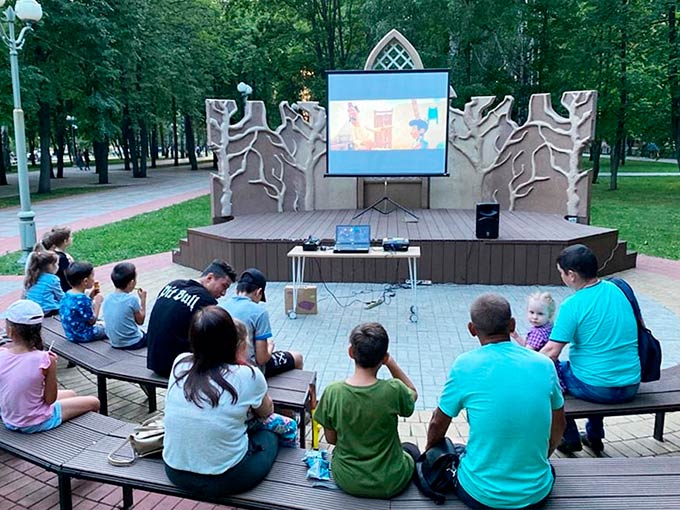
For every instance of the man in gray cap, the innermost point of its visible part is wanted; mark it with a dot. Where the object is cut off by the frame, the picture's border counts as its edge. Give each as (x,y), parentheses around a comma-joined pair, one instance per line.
(245,307)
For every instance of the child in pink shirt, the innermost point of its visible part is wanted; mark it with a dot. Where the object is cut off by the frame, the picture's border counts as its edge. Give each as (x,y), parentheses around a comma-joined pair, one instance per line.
(29,399)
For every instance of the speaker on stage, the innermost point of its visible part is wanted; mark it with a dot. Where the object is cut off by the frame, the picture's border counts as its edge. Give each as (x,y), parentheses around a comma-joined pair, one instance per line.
(488,216)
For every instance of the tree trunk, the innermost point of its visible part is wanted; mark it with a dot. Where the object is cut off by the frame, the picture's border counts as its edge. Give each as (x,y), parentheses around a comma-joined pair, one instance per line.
(175,145)
(45,136)
(164,143)
(59,145)
(673,82)
(101,159)
(144,142)
(125,140)
(191,143)
(3,166)
(154,145)
(214,161)
(618,152)
(31,147)
(595,151)
(5,147)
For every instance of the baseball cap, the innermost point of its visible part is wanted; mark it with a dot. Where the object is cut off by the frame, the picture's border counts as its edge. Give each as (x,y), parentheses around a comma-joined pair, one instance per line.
(24,311)
(256,277)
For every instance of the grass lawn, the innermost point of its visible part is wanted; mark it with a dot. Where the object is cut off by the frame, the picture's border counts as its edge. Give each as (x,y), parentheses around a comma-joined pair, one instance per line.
(146,234)
(55,193)
(632,165)
(645,210)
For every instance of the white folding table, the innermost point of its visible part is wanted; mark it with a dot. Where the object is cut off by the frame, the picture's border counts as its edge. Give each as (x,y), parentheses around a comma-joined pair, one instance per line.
(298,257)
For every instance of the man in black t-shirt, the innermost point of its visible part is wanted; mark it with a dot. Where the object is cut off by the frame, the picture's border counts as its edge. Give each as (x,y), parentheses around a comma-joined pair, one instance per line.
(168,332)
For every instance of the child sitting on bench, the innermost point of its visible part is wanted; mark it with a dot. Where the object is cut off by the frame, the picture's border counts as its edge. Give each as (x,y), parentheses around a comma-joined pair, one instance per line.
(29,398)
(359,416)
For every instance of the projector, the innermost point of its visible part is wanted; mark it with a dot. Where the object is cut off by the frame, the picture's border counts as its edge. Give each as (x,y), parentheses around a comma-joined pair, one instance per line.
(395,244)
(311,244)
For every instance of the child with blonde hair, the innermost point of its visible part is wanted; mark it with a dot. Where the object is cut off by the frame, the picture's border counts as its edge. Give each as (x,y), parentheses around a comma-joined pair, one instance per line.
(29,398)
(41,284)
(540,314)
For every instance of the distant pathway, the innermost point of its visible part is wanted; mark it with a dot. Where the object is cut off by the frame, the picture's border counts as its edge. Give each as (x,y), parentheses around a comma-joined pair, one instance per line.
(163,187)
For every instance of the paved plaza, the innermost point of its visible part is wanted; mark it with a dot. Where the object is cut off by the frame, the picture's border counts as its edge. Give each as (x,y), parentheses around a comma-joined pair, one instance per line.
(424,349)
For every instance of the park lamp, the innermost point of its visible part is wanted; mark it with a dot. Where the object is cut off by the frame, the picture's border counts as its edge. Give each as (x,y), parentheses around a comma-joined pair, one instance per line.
(243,88)
(28,11)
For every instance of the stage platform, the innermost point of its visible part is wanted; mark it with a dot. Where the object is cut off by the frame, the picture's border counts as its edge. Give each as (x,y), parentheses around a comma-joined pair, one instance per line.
(524,253)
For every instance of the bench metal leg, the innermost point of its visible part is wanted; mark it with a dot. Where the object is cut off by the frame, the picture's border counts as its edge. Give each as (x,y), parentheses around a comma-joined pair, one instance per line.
(65,499)
(303,428)
(151,394)
(659,422)
(127,498)
(103,397)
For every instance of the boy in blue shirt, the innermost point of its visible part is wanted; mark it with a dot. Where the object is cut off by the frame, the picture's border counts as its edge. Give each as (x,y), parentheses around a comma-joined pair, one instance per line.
(79,311)
(124,311)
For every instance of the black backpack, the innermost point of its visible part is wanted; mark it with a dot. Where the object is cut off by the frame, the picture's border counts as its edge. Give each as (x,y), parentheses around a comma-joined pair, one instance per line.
(436,470)
(649,348)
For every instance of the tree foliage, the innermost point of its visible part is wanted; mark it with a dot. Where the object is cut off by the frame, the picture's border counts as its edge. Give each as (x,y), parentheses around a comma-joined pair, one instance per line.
(128,71)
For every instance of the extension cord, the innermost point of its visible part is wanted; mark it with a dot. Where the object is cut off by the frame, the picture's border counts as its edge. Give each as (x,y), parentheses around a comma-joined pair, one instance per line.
(373,304)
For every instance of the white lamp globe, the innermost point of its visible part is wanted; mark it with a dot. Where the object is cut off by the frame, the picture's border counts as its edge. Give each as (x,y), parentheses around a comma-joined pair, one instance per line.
(28,11)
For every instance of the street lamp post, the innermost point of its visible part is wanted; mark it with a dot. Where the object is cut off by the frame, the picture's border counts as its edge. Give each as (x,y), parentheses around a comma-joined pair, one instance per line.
(29,11)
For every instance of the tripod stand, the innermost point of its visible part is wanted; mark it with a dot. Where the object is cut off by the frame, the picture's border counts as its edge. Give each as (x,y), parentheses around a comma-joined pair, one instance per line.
(375,206)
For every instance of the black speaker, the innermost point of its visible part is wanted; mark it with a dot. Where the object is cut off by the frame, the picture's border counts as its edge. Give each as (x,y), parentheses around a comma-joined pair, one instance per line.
(488,216)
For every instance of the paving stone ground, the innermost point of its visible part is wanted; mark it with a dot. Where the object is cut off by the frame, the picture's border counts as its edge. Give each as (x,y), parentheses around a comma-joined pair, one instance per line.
(425,350)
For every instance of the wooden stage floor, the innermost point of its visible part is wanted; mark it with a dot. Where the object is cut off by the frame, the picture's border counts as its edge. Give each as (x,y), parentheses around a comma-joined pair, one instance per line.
(524,253)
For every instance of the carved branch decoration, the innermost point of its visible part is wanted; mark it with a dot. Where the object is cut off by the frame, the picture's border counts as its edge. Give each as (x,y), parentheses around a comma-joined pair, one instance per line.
(522,189)
(297,145)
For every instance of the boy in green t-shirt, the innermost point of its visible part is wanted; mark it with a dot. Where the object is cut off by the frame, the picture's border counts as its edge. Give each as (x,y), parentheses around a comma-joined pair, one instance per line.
(360,415)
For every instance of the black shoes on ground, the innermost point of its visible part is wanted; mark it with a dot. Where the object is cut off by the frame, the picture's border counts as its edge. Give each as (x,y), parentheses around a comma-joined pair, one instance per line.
(595,445)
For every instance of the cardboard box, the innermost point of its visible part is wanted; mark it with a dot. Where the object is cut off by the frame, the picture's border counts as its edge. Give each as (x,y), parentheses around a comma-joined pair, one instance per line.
(306,299)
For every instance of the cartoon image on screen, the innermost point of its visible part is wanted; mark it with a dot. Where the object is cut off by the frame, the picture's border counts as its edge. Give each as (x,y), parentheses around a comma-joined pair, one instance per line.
(387,123)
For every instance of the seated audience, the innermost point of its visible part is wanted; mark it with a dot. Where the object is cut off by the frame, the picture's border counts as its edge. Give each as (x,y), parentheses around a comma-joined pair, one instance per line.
(207,448)
(245,306)
(29,398)
(41,284)
(123,311)
(599,324)
(168,331)
(515,409)
(359,416)
(78,310)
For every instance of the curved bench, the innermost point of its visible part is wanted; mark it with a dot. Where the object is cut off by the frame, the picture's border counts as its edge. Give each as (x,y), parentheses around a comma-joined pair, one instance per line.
(79,448)
(294,390)
(657,398)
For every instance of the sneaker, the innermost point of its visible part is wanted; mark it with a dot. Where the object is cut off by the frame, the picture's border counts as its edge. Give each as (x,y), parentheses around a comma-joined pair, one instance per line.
(594,444)
(569,446)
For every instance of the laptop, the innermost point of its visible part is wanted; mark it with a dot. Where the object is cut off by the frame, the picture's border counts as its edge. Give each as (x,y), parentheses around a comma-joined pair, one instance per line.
(352,238)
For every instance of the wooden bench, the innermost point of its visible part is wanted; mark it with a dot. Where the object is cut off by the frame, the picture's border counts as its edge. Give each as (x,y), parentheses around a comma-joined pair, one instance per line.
(657,398)
(294,390)
(79,448)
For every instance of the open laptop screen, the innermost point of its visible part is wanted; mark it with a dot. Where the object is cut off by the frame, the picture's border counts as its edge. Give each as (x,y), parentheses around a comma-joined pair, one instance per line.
(353,235)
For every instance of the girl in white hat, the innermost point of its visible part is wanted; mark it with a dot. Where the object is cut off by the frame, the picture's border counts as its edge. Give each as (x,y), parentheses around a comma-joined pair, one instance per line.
(29,399)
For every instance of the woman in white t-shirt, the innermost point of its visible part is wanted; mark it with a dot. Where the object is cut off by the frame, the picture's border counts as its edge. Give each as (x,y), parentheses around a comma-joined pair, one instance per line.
(207,447)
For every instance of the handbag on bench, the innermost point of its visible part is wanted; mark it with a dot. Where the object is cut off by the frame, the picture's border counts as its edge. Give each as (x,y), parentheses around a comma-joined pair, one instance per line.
(146,439)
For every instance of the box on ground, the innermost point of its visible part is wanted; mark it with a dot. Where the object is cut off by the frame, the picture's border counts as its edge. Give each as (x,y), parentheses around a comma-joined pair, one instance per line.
(306,299)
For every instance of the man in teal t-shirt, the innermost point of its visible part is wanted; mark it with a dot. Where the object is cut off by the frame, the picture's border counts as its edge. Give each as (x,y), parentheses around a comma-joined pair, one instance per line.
(360,415)
(515,410)
(598,323)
